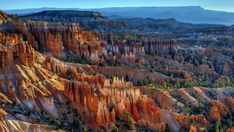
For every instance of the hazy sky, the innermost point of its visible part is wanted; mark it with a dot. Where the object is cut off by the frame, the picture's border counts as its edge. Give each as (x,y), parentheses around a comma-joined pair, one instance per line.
(224,5)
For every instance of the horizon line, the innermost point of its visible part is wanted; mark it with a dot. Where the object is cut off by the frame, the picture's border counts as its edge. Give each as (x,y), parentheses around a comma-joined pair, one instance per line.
(116,7)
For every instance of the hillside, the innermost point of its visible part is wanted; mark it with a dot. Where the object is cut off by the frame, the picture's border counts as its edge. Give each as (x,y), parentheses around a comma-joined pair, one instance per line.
(57,76)
(166,28)
(4,17)
(68,15)
(51,94)
(189,14)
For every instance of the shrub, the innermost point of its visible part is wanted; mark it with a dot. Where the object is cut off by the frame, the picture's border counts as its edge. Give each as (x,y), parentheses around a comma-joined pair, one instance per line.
(189,84)
(204,81)
(128,119)
(176,85)
(114,128)
(58,124)
(218,126)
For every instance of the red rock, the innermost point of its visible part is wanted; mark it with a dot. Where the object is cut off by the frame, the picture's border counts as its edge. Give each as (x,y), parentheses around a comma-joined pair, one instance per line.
(22,53)
(101,106)
(53,43)
(221,107)
(230,129)
(193,129)
(214,113)
(230,103)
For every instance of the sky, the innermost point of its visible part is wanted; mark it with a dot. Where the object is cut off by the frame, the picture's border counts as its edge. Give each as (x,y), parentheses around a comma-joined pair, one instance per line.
(221,5)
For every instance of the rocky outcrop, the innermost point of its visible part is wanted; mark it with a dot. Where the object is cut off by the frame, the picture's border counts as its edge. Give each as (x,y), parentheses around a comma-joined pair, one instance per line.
(37,88)
(57,38)
(140,46)
(214,113)
(22,27)
(190,101)
(9,123)
(230,103)
(93,98)
(4,17)
(161,47)
(22,53)
(112,102)
(44,84)
(230,129)
(30,93)
(9,38)
(52,42)
(131,49)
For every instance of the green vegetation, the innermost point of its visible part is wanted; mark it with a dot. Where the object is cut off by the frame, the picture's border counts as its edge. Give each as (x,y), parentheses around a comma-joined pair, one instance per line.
(128,119)
(205,130)
(74,58)
(142,82)
(85,129)
(189,84)
(218,126)
(195,109)
(114,128)
(178,79)
(176,85)
(71,78)
(165,85)
(223,83)
(204,80)
(191,122)
(167,128)
(82,60)
(58,124)
(229,121)
(182,129)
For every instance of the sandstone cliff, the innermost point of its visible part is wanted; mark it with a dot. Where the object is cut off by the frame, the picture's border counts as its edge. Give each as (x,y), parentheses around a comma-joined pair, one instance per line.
(4,17)
(41,84)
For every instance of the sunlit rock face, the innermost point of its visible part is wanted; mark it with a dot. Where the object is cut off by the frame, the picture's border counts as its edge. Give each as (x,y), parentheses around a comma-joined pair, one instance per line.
(9,123)
(29,93)
(194,101)
(53,43)
(58,39)
(20,52)
(113,102)
(4,17)
(41,92)
(21,76)
(31,82)
(93,97)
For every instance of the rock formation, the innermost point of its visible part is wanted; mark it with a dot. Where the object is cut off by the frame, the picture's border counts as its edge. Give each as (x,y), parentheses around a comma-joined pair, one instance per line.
(22,53)
(112,102)
(4,17)
(42,83)
(9,123)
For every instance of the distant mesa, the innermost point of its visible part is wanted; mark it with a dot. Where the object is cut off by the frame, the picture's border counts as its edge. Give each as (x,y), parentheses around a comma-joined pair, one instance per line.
(190,14)
(67,15)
